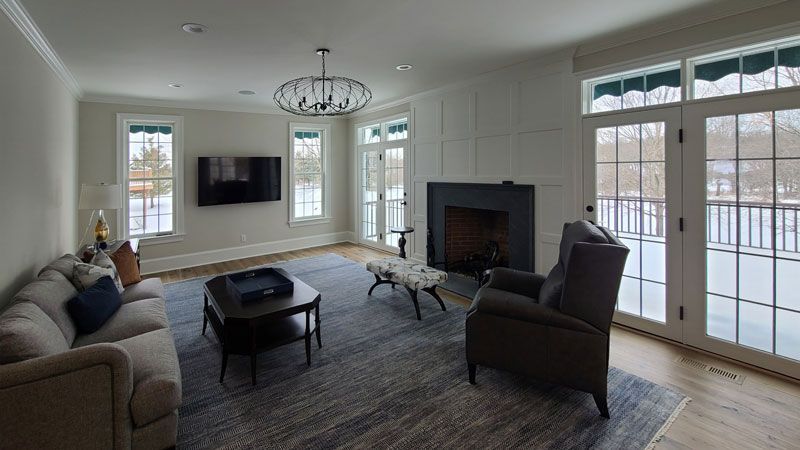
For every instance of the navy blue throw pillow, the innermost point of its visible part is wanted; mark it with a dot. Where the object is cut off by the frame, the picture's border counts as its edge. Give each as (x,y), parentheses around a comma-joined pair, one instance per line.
(94,306)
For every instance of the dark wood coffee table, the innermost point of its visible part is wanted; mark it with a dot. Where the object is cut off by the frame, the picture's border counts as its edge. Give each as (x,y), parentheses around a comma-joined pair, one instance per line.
(252,327)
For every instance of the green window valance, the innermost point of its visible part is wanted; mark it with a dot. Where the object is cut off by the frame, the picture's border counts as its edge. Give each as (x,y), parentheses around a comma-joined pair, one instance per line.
(789,57)
(633,84)
(758,63)
(612,88)
(641,83)
(716,70)
(150,129)
(669,78)
(306,134)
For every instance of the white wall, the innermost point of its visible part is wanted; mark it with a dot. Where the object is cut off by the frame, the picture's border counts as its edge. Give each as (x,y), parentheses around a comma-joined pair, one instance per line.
(516,124)
(213,232)
(38,175)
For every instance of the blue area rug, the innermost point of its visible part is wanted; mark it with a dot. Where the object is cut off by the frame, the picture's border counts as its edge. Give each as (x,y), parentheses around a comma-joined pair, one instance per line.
(386,380)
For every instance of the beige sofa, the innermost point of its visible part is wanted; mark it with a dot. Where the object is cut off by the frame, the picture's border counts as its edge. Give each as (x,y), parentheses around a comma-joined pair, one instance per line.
(119,387)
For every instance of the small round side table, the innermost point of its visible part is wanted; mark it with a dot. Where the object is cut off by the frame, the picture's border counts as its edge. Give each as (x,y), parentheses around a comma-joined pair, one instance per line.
(402,241)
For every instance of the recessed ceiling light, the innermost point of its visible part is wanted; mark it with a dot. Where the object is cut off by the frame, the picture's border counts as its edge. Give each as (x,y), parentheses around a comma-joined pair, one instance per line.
(194,28)
(404,67)
(175,85)
(247,92)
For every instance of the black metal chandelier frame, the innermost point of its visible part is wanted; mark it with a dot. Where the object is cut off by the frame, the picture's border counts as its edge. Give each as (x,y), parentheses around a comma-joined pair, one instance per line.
(322,96)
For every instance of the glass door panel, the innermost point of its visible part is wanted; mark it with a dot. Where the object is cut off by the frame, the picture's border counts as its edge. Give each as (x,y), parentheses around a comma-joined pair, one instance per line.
(369,195)
(742,198)
(394,192)
(632,188)
(752,204)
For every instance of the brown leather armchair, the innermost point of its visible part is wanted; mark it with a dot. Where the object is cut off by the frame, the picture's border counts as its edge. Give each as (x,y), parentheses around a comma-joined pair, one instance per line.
(553,328)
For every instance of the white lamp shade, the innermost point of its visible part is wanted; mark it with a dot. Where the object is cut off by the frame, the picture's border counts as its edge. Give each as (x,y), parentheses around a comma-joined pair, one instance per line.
(100,196)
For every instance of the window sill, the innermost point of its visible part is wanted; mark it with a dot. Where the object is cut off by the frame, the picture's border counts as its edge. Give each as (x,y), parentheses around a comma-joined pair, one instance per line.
(309,222)
(152,240)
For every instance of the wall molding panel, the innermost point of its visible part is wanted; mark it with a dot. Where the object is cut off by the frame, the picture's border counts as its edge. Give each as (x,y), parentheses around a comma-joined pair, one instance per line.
(515,126)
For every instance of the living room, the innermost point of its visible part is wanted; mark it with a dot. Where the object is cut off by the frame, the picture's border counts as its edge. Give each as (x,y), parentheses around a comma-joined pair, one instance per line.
(586,214)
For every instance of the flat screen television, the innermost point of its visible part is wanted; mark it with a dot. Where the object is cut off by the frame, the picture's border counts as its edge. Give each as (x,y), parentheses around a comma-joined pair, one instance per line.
(226,180)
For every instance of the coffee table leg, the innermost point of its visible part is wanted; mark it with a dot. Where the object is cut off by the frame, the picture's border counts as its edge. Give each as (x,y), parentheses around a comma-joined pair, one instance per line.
(316,320)
(253,354)
(205,308)
(308,337)
(224,363)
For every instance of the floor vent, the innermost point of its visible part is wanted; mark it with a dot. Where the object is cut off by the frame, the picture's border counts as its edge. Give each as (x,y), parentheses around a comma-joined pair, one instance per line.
(716,371)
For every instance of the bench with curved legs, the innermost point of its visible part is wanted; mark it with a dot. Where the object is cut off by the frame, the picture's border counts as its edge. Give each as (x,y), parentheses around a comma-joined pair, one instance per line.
(414,277)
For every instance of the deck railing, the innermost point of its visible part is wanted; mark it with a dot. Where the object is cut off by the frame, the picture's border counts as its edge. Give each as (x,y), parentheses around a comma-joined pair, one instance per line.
(754,226)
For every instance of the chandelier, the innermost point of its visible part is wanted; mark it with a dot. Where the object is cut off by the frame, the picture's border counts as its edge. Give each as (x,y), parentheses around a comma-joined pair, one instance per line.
(322,96)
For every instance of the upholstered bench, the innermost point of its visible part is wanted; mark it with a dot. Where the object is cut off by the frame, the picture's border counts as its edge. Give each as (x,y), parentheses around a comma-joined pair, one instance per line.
(414,277)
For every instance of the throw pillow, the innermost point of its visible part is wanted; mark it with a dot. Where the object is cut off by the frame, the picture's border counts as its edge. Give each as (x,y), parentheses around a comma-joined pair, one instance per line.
(104,261)
(94,306)
(85,275)
(125,261)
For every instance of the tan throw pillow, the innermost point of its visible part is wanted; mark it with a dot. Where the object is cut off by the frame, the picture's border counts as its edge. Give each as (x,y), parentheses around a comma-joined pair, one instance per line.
(86,275)
(102,260)
(125,260)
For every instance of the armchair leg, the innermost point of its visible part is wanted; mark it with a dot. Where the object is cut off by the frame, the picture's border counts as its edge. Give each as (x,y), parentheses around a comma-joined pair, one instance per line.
(602,404)
(472,368)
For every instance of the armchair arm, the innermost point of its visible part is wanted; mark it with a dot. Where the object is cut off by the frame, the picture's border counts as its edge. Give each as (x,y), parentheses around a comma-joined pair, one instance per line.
(514,306)
(516,281)
(78,398)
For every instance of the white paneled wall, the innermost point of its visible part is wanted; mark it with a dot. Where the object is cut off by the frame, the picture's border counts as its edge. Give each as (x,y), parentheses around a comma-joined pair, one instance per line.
(516,125)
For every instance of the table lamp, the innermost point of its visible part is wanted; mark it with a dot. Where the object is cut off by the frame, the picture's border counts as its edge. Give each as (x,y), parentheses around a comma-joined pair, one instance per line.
(99,197)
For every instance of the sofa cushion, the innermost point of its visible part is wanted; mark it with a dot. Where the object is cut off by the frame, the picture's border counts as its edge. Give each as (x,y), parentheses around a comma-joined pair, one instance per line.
(131,319)
(86,275)
(580,231)
(102,260)
(93,307)
(63,265)
(125,261)
(156,375)
(51,292)
(27,332)
(148,288)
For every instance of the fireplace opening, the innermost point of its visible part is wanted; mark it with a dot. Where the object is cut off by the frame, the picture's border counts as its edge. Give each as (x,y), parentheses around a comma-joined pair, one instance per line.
(476,240)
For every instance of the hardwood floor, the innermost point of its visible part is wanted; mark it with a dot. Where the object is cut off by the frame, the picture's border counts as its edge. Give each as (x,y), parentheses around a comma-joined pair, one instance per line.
(762,412)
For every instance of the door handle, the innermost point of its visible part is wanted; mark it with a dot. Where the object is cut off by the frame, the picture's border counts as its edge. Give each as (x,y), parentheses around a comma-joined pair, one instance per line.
(589,208)
(404,203)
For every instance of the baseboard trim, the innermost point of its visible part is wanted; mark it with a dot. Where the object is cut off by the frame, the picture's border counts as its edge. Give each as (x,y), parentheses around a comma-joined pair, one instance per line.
(155,265)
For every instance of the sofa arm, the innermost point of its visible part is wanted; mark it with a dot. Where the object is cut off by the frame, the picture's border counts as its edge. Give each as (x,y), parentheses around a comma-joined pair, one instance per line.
(516,281)
(512,306)
(76,399)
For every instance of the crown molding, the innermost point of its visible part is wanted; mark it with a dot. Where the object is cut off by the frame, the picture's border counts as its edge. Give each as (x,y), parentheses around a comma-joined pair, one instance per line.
(20,17)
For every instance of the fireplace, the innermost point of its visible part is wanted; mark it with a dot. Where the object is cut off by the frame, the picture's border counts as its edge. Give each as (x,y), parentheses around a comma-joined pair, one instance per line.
(471,235)
(464,217)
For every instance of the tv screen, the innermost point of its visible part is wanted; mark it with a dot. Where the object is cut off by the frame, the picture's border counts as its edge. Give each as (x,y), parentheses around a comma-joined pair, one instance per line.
(227,180)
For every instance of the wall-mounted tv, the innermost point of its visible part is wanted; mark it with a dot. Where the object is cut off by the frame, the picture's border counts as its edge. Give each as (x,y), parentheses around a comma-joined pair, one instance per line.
(225,180)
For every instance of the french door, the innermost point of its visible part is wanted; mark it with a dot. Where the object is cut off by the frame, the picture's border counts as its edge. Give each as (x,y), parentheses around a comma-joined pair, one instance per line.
(632,185)
(742,208)
(383,198)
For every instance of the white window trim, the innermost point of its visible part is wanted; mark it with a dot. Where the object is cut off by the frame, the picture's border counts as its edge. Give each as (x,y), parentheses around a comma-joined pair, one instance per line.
(123,119)
(325,129)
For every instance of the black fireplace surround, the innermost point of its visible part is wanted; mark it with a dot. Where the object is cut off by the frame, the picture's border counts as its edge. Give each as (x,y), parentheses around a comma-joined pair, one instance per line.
(515,199)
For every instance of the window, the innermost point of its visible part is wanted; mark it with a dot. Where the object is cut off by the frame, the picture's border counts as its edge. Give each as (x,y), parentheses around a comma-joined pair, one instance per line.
(646,87)
(770,66)
(310,186)
(151,173)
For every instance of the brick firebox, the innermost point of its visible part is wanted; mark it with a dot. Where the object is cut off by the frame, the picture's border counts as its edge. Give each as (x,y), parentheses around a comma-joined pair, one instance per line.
(467,231)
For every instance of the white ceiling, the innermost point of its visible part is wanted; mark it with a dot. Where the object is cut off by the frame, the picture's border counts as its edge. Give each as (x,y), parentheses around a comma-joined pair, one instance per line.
(134,49)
